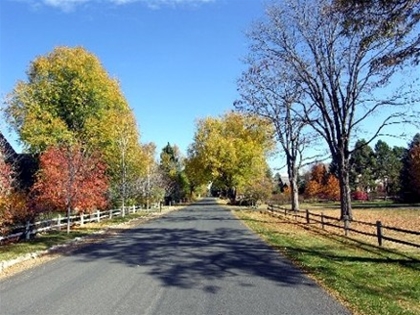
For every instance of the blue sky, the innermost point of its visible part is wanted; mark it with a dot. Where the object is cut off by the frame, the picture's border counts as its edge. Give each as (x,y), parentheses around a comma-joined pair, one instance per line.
(177,60)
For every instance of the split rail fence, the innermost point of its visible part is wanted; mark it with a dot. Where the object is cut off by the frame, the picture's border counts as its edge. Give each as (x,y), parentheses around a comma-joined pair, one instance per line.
(30,229)
(377,230)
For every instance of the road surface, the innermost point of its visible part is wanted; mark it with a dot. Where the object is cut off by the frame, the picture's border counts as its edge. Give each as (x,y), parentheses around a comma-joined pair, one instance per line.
(200,261)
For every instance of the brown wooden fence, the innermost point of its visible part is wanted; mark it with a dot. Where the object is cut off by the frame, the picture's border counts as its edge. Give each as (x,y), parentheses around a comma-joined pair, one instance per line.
(369,229)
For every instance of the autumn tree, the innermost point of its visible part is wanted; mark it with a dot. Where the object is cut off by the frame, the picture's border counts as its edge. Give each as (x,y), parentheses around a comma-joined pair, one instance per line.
(410,175)
(259,189)
(231,151)
(414,171)
(70,180)
(315,186)
(173,168)
(322,183)
(267,90)
(331,188)
(7,176)
(126,158)
(342,83)
(69,97)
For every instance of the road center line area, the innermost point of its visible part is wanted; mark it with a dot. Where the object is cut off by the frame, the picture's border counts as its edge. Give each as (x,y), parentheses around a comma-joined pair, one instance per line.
(199,260)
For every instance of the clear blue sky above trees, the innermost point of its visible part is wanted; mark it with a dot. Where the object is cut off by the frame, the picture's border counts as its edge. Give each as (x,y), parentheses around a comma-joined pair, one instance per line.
(177,60)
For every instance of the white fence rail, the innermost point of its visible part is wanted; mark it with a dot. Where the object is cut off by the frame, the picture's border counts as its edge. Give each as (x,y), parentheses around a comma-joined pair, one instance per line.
(30,229)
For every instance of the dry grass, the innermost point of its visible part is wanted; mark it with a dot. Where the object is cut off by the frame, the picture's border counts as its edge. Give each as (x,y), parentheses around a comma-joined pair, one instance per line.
(399,217)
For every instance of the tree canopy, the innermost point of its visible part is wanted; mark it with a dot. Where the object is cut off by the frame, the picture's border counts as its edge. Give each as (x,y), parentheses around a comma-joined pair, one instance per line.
(69,98)
(231,150)
(338,73)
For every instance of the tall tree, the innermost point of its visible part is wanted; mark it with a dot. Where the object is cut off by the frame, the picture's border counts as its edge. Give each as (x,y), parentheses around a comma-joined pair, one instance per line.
(388,167)
(70,180)
(231,150)
(410,175)
(342,84)
(7,176)
(126,158)
(69,97)
(278,182)
(315,185)
(268,90)
(362,167)
(394,20)
(67,92)
(172,166)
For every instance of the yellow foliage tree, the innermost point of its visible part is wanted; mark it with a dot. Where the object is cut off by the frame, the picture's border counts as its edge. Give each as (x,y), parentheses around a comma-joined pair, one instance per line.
(230,150)
(70,98)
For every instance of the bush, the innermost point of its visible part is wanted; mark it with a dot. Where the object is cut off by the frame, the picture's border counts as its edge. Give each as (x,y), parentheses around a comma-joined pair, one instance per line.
(360,196)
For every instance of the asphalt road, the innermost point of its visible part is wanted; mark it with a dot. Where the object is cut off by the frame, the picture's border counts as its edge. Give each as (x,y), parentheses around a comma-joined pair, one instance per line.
(200,260)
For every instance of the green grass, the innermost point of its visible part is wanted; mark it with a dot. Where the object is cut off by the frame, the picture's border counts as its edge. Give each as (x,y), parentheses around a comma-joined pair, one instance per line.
(47,240)
(369,280)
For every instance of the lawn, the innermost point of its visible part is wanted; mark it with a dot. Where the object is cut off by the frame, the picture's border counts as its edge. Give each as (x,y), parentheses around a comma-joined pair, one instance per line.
(368,279)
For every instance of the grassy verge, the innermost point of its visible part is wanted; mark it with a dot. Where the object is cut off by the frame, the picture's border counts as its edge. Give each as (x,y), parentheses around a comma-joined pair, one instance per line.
(369,280)
(47,240)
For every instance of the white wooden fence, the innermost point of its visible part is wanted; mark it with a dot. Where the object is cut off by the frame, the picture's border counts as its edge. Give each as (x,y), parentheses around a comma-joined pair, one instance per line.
(30,229)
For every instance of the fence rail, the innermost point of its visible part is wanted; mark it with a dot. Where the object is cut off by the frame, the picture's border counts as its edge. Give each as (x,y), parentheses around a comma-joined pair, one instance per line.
(30,229)
(345,225)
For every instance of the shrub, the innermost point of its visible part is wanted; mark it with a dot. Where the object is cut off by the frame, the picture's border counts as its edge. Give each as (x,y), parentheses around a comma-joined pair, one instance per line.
(360,195)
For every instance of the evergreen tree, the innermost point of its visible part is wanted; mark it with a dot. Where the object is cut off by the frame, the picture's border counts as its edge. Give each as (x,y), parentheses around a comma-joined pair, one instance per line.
(388,167)
(362,167)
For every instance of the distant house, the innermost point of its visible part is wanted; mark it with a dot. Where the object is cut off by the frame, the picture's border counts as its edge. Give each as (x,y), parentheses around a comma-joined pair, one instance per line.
(25,165)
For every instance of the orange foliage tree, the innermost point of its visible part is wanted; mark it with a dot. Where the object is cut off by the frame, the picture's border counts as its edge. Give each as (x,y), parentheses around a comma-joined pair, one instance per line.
(331,188)
(6,180)
(322,184)
(414,169)
(314,187)
(70,180)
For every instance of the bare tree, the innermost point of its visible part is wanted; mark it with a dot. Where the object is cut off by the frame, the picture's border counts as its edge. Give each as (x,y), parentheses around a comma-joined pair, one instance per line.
(396,20)
(342,83)
(266,90)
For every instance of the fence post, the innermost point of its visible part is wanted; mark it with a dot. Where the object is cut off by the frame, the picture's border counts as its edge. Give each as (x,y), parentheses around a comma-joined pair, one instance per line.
(379,232)
(28,231)
(59,222)
(98,213)
(82,216)
(307,216)
(346,225)
(322,220)
(110,213)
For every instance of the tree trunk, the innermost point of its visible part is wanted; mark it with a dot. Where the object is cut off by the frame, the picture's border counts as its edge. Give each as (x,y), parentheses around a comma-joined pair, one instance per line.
(68,219)
(345,191)
(232,195)
(294,191)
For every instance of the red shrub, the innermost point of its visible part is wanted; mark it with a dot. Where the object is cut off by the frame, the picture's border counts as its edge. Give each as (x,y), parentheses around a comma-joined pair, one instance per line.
(360,195)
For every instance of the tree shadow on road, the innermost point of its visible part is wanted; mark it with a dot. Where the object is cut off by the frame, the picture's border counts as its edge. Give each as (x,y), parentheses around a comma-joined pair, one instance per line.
(185,257)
